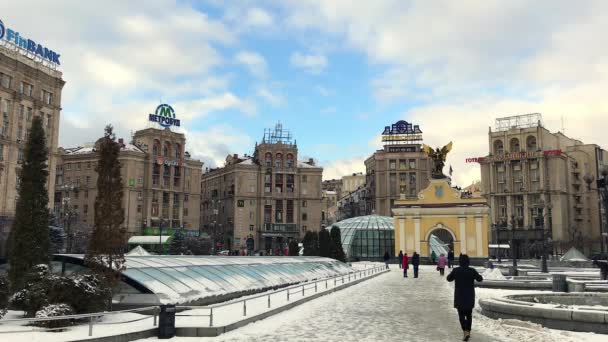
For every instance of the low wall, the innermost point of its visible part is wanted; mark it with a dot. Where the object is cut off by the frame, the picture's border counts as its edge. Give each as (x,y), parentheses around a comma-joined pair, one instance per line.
(522,307)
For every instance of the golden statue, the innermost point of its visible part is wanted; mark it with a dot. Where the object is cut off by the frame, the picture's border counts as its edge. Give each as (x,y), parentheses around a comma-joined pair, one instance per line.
(438,157)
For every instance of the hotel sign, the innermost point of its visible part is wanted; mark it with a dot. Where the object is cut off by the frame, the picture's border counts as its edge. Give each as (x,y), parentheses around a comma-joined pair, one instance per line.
(28,46)
(402,131)
(515,156)
(165,116)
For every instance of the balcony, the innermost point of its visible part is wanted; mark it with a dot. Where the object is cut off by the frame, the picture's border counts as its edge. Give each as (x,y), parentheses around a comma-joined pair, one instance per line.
(280,229)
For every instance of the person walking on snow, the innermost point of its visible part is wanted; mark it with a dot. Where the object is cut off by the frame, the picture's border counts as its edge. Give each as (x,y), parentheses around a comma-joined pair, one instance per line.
(441,264)
(400,259)
(387,257)
(405,265)
(433,257)
(464,293)
(450,258)
(415,263)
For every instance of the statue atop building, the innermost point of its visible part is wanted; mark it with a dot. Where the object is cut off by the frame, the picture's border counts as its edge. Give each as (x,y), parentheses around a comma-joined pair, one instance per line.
(438,158)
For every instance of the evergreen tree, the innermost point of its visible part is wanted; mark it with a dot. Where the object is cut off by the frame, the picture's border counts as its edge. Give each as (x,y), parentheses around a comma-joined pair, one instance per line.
(337,252)
(178,244)
(311,244)
(294,250)
(29,236)
(105,254)
(324,243)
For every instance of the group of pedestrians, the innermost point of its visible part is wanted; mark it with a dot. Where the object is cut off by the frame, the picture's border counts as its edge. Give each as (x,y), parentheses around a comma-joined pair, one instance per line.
(464,277)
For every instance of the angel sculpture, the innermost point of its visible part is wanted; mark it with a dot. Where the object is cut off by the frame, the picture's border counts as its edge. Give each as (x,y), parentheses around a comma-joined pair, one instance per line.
(438,157)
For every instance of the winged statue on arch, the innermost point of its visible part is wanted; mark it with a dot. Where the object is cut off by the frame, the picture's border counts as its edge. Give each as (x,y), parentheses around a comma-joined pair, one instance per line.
(438,156)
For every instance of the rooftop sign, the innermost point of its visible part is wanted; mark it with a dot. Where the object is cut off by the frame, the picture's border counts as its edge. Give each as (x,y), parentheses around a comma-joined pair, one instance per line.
(165,116)
(515,156)
(402,131)
(27,45)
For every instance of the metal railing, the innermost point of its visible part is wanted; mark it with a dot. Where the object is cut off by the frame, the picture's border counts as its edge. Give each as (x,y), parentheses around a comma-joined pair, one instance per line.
(92,317)
(290,290)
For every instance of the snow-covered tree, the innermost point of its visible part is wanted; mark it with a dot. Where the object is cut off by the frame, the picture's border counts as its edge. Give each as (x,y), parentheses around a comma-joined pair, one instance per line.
(294,250)
(337,252)
(311,243)
(29,235)
(55,310)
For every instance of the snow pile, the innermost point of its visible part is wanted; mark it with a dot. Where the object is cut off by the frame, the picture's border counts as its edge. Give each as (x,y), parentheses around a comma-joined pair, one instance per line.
(493,274)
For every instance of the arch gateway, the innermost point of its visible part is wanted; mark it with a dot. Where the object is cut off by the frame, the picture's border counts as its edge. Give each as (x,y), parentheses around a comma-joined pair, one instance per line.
(445,214)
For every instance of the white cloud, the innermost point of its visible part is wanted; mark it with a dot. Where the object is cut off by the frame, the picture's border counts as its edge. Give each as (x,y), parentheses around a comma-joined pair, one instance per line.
(254,62)
(213,145)
(323,90)
(343,167)
(269,96)
(258,17)
(192,109)
(313,63)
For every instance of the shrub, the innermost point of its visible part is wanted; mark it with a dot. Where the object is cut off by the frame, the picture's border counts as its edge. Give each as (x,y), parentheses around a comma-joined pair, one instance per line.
(54,310)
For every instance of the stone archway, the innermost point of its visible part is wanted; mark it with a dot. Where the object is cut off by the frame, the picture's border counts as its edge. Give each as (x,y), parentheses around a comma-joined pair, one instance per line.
(444,234)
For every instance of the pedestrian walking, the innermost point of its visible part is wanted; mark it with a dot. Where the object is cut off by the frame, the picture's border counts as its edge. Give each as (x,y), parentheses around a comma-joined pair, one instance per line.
(415,263)
(433,257)
(387,258)
(441,264)
(405,265)
(450,258)
(464,293)
(400,259)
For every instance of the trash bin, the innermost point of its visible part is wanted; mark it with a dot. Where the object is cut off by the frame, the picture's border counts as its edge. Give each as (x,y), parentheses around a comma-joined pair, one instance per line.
(166,322)
(559,283)
(513,271)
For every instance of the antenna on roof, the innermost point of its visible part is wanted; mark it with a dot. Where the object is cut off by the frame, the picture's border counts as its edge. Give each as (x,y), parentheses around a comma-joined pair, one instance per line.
(563,126)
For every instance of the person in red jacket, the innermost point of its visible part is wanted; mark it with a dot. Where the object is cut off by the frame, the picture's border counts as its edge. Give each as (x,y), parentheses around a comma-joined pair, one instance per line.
(406,264)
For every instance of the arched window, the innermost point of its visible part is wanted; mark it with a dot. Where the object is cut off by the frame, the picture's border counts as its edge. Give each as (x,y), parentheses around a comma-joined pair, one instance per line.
(290,160)
(498,147)
(514,145)
(278,162)
(178,151)
(167,149)
(268,159)
(156,148)
(531,143)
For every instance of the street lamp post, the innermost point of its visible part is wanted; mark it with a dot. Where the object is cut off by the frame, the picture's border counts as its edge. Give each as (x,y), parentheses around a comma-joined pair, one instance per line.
(160,236)
(513,256)
(602,188)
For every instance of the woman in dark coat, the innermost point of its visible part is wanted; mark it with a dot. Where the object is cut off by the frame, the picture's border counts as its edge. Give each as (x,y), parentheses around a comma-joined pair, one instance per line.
(416,263)
(400,259)
(387,258)
(464,293)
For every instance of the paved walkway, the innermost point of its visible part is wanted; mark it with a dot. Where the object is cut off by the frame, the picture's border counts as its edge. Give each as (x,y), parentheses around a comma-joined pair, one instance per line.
(386,308)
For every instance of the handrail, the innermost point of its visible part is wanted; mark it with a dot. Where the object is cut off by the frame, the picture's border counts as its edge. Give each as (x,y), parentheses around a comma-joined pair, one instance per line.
(94,314)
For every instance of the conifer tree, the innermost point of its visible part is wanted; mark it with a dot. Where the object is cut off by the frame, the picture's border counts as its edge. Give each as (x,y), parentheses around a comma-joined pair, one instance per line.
(309,244)
(294,250)
(105,253)
(324,243)
(337,252)
(178,244)
(29,237)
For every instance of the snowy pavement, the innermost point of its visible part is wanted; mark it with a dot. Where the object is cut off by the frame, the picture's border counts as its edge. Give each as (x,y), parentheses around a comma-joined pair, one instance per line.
(391,308)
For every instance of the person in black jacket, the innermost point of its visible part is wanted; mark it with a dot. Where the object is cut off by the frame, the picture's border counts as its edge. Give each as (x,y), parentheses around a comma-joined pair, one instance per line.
(464,293)
(450,258)
(387,258)
(400,259)
(416,263)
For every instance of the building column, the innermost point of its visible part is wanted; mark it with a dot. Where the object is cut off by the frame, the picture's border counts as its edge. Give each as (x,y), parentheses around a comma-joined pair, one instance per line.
(479,236)
(417,234)
(463,234)
(402,233)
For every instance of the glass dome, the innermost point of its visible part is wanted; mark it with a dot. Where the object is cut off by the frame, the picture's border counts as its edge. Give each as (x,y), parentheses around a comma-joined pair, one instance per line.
(367,237)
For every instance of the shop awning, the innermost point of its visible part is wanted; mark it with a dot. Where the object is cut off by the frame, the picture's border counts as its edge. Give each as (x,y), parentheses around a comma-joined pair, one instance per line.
(149,239)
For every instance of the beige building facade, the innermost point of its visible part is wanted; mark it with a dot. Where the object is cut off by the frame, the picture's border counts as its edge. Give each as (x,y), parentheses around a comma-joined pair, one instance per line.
(400,167)
(161,183)
(541,187)
(261,202)
(27,88)
(352,182)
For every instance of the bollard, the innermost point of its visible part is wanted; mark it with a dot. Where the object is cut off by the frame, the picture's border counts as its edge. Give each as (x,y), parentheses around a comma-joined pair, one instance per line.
(349,277)
(154,318)
(211,317)
(288,295)
(543,266)
(91,326)
(326,284)
(269,301)
(315,287)
(244,308)
(335,282)
(302,290)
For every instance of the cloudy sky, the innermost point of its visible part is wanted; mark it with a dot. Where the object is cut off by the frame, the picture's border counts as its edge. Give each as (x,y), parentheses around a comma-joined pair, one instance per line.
(333,72)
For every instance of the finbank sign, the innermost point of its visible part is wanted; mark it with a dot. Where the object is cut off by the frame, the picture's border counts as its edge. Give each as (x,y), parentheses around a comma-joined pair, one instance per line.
(29,45)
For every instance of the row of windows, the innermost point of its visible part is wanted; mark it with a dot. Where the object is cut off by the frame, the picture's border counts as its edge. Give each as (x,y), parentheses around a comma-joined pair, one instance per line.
(167,150)
(26,88)
(278,160)
(404,164)
(514,145)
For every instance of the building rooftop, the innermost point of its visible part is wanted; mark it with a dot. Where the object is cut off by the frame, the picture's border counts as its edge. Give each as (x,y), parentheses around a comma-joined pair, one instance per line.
(91,149)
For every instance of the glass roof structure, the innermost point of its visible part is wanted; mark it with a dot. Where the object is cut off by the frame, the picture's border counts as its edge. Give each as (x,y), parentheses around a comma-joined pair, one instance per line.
(367,237)
(187,279)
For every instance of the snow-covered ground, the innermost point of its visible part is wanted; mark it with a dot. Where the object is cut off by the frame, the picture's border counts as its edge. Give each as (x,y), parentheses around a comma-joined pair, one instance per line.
(391,308)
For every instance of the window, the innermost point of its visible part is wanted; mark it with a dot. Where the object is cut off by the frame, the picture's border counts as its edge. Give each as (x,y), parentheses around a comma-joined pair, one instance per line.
(531,143)
(392,180)
(498,147)
(289,217)
(26,88)
(402,183)
(268,159)
(85,209)
(46,97)
(519,206)
(412,163)
(19,132)
(402,164)
(517,174)
(290,161)
(278,162)
(86,194)
(167,149)
(139,208)
(140,180)
(251,227)
(5,80)
(140,195)
(185,211)
(48,120)
(78,166)
(156,147)
(392,164)
(88,180)
(1,152)
(88,165)
(28,114)
(514,145)
(304,216)
(304,204)
(268,183)
(304,179)
(186,197)
(6,105)
(20,155)
(502,208)
(279,183)
(21,112)
(304,228)
(76,194)
(240,203)
(178,151)
(278,214)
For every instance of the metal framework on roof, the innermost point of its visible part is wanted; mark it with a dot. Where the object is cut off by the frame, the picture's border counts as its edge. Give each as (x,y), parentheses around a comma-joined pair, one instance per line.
(519,121)
(277,134)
